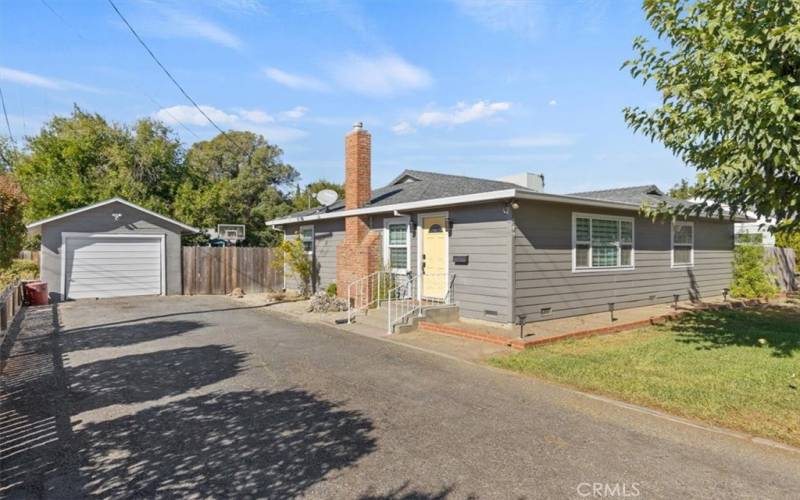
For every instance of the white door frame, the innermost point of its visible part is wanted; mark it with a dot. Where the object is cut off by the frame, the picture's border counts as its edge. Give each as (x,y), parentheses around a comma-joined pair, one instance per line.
(63,251)
(420,218)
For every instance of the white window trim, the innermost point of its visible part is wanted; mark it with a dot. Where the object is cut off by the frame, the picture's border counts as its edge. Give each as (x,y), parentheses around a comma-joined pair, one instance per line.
(313,239)
(386,253)
(576,269)
(672,245)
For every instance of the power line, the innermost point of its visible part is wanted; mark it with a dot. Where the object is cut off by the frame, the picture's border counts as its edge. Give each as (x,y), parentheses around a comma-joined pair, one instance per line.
(78,33)
(166,71)
(5,113)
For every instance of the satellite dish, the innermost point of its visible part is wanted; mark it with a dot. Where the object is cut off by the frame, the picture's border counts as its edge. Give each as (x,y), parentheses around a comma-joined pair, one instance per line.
(327,197)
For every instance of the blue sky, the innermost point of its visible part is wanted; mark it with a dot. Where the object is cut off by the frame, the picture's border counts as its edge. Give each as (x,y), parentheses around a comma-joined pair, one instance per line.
(470,87)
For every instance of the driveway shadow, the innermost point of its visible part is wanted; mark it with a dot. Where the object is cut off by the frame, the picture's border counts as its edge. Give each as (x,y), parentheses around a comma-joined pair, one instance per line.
(150,376)
(224,445)
(81,339)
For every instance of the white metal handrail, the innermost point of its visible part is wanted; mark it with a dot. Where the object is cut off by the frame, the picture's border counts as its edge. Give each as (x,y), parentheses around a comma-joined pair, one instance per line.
(366,292)
(406,300)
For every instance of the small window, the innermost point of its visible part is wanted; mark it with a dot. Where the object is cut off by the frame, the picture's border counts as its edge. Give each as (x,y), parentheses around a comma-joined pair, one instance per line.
(307,237)
(397,246)
(602,242)
(682,244)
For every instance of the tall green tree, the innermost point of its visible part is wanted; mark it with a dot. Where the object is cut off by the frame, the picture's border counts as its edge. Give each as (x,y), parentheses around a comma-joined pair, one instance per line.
(236,178)
(729,73)
(682,190)
(81,159)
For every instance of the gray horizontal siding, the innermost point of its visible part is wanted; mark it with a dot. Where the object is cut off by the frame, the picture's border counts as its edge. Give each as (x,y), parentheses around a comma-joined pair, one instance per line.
(101,220)
(482,288)
(543,275)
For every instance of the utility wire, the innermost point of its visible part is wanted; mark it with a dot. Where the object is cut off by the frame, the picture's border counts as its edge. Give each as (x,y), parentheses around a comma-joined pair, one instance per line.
(149,97)
(166,71)
(5,113)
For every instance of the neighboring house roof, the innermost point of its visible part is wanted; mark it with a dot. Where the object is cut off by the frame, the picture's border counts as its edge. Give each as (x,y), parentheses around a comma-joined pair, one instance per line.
(34,225)
(415,189)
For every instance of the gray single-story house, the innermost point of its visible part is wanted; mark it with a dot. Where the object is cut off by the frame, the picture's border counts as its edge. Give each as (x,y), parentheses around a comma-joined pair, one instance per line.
(509,248)
(113,248)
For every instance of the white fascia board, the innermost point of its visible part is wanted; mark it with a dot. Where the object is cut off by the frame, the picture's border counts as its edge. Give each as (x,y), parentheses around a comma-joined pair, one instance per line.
(38,223)
(412,205)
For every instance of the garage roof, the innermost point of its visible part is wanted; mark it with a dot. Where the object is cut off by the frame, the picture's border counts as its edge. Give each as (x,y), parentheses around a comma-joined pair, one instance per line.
(38,223)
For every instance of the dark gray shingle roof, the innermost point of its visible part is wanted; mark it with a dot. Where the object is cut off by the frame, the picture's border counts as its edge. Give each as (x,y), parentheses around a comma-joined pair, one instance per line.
(416,185)
(635,195)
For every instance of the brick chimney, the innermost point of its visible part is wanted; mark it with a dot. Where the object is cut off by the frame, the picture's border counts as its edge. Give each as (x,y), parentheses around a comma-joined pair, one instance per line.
(357,256)
(357,167)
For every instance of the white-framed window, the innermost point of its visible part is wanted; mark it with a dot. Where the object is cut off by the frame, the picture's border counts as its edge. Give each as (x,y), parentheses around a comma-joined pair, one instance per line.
(682,244)
(602,242)
(307,237)
(397,244)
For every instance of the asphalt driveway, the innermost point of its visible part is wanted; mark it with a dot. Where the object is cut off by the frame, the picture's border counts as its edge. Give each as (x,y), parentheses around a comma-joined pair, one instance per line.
(206,397)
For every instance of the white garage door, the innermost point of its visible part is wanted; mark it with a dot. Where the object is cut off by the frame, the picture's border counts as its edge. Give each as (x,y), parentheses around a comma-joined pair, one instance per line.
(107,266)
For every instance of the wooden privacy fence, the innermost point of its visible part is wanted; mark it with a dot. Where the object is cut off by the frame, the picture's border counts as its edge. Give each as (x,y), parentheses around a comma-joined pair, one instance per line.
(783,267)
(218,270)
(30,255)
(10,304)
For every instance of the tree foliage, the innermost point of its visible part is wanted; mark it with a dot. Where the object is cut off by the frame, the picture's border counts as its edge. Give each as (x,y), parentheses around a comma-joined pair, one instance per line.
(235,179)
(790,240)
(750,277)
(292,257)
(82,159)
(12,227)
(306,198)
(682,190)
(728,77)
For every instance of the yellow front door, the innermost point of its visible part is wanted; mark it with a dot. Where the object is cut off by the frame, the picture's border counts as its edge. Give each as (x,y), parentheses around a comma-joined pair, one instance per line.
(434,256)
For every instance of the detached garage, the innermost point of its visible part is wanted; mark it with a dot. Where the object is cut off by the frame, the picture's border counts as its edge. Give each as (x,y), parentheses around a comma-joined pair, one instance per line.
(114,248)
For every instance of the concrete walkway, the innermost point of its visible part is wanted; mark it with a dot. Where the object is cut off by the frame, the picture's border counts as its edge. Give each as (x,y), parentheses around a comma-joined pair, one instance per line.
(209,397)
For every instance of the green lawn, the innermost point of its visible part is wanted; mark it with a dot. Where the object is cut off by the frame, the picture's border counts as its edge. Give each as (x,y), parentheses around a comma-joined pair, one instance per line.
(738,369)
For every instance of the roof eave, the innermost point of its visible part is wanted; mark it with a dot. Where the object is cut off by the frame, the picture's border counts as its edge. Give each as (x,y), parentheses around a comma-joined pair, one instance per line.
(185,228)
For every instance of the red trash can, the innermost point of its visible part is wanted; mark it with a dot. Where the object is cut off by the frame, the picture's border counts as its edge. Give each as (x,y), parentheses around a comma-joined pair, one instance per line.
(36,293)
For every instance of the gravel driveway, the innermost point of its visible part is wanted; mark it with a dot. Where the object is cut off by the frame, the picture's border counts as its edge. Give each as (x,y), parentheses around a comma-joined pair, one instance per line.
(209,397)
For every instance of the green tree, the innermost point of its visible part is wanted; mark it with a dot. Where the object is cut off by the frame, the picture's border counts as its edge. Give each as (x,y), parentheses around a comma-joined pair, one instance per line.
(790,240)
(82,159)
(682,190)
(12,228)
(750,277)
(235,178)
(306,198)
(728,74)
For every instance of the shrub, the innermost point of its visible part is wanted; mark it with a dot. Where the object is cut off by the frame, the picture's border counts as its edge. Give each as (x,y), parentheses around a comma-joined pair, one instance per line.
(331,290)
(750,277)
(12,229)
(18,269)
(292,255)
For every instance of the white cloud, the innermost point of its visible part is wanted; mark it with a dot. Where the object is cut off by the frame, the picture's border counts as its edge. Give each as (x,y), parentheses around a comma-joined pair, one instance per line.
(403,128)
(294,81)
(192,116)
(552,102)
(256,116)
(379,76)
(463,113)
(33,80)
(172,23)
(540,141)
(250,120)
(523,17)
(295,113)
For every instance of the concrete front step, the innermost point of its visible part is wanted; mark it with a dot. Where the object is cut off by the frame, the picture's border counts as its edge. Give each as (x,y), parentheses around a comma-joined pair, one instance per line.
(378,318)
